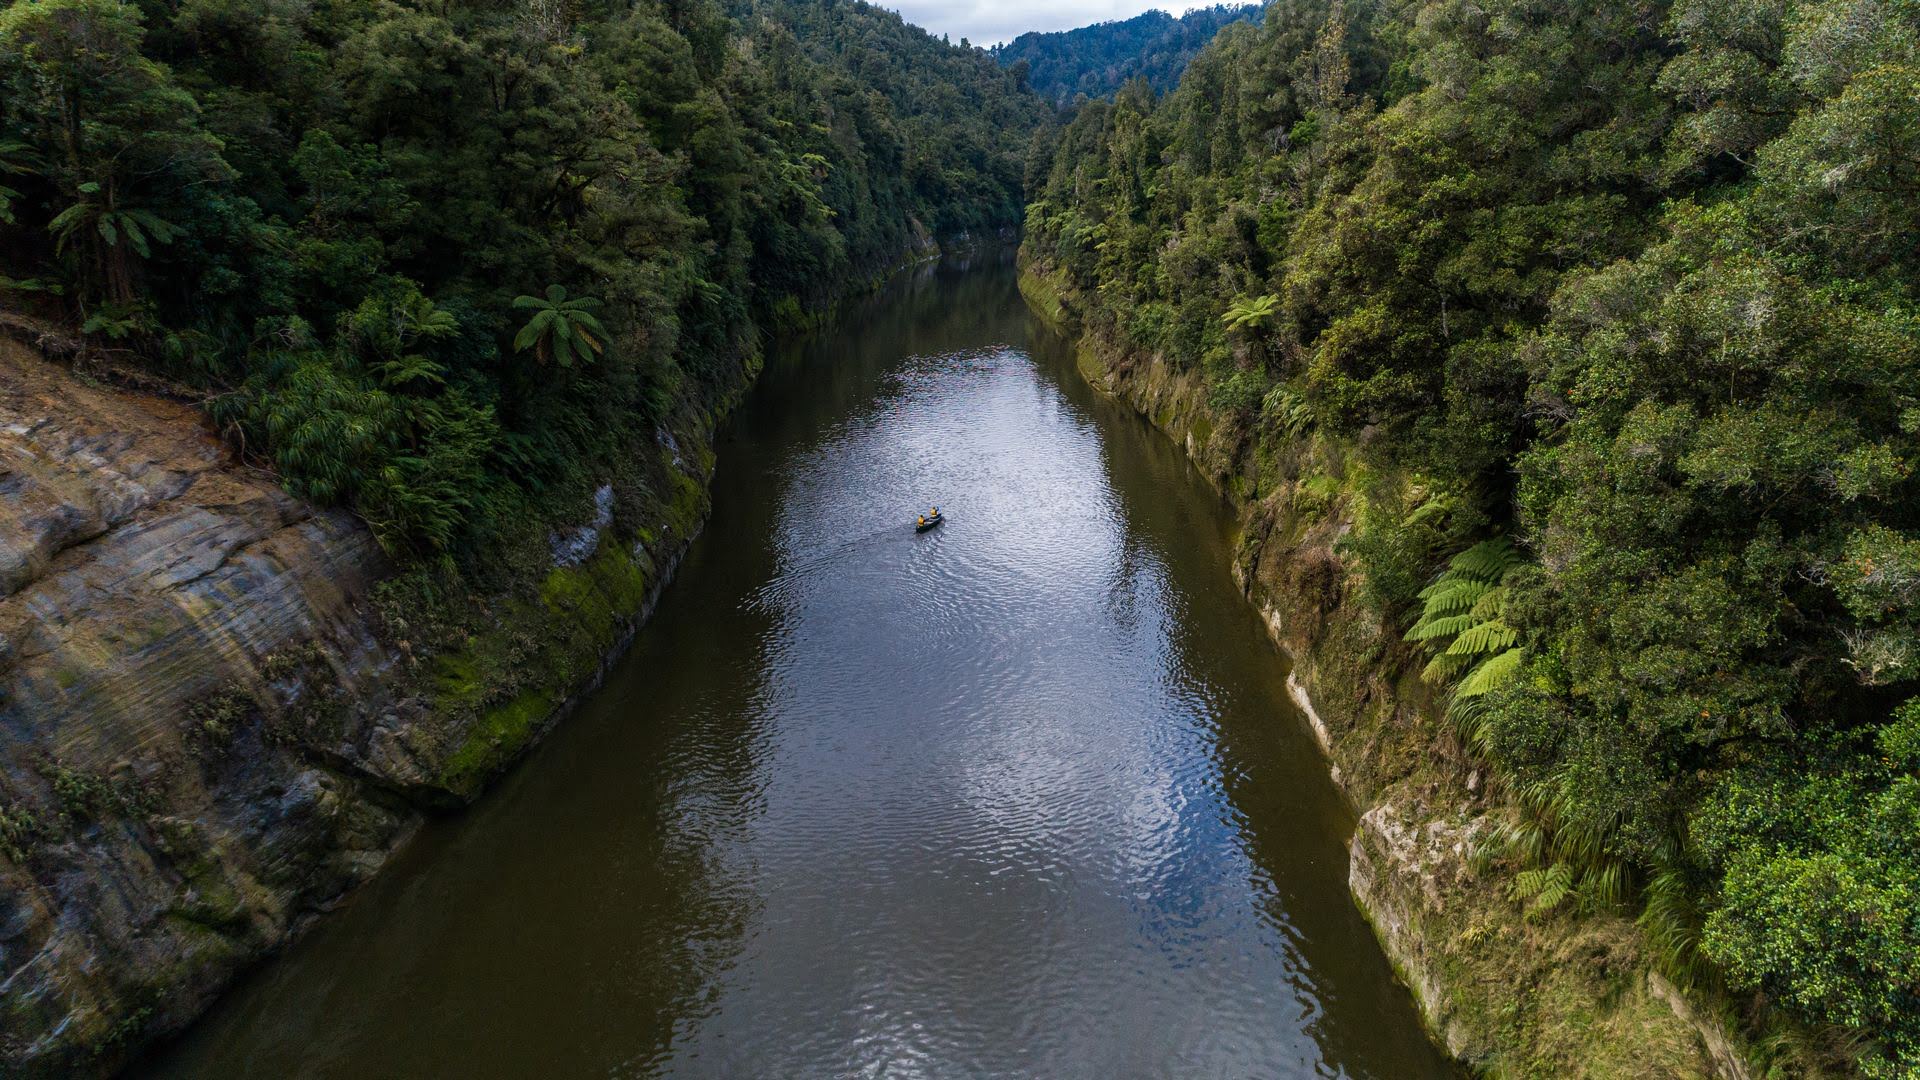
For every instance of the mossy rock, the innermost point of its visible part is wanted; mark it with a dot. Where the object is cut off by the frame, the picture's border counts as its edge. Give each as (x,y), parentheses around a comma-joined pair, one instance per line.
(497,739)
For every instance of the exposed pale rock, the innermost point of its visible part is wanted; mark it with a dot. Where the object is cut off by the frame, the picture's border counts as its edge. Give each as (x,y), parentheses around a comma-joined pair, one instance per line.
(578,545)
(1297,690)
(205,738)
(143,574)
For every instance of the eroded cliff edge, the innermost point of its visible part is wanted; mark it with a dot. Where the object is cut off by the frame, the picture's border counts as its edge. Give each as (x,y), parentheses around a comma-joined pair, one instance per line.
(216,719)
(1566,996)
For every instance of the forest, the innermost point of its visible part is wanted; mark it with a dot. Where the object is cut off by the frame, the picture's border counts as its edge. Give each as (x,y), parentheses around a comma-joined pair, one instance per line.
(1618,307)
(438,262)
(1094,61)
(1613,308)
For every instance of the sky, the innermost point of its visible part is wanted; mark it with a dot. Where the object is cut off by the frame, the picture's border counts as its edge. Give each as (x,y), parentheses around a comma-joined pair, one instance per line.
(988,22)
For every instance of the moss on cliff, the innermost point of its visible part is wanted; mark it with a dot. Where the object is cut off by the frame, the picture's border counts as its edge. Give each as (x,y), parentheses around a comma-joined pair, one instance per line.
(501,685)
(496,739)
(1044,294)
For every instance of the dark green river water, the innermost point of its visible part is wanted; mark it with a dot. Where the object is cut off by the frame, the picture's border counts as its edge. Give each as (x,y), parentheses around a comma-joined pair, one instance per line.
(1021,796)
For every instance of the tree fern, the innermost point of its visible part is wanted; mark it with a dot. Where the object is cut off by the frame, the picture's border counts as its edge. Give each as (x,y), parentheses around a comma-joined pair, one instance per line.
(117,226)
(1565,854)
(1247,313)
(561,329)
(1461,621)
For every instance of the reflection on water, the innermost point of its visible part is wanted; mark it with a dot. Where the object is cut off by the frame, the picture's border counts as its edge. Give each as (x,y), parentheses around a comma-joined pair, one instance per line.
(1022,795)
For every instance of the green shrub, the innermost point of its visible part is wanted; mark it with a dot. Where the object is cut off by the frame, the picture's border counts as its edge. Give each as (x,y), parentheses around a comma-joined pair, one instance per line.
(19,829)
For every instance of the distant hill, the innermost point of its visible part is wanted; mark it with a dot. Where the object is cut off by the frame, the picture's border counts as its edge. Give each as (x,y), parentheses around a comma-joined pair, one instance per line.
(1095,60)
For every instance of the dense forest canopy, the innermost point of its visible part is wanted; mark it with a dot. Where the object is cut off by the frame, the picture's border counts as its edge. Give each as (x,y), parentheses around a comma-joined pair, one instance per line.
(433,260)
(1097,60)
(1622,302)
(1612,308)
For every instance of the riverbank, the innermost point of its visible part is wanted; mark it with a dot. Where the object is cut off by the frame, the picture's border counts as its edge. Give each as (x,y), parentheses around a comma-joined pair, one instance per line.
(224,709)
(1001,799)
(1562,996)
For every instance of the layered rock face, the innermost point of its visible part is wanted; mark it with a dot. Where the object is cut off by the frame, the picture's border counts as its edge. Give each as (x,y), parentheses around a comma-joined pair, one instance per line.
(188,762)
(209,733)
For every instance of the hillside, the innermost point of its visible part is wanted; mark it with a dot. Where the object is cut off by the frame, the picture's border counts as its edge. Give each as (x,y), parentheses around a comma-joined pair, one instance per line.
(346,220)
(447,302)
(1097,60)
(1597,329)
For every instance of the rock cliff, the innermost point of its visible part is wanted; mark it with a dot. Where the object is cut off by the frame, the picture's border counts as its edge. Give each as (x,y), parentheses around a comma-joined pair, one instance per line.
(151,593)
(208,733)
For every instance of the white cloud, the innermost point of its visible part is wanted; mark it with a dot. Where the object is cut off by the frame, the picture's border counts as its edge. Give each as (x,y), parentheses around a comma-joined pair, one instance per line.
(988,22)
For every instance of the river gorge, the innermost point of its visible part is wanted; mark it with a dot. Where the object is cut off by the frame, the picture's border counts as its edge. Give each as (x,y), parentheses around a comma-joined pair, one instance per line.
(1022,795)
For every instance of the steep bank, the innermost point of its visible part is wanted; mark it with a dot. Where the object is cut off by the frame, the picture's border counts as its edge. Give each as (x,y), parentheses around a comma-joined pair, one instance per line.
(456,270)
(222,708)
(1563,996)
(218,719)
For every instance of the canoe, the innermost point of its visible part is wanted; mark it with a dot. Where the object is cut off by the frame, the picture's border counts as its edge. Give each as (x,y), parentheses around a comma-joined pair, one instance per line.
(922,525)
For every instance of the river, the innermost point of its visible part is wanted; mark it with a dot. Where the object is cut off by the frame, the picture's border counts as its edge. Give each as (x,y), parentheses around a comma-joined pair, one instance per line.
(1020,796)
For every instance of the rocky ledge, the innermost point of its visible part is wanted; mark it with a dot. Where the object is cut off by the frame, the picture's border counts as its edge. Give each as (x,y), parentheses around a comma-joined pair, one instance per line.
(151,593)
(208,733)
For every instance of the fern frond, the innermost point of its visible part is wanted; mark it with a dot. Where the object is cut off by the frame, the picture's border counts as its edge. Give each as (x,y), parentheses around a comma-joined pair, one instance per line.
(1490,675)
(536,327)
(1448,596)
(66,222)
(1487,559)
(1492,605)
(162,230)
(1544,889)
(1445,666)
(1486,637)
(586,319)
(1435,506)
(1430,627)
